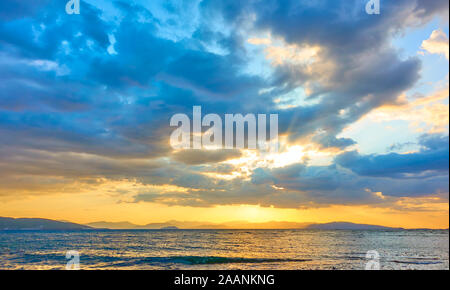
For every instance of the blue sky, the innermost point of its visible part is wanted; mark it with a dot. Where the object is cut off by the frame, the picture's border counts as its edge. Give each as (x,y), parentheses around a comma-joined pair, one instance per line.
(362,102)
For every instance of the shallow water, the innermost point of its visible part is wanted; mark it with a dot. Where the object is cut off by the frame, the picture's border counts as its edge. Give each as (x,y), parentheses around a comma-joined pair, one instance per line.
(225,249)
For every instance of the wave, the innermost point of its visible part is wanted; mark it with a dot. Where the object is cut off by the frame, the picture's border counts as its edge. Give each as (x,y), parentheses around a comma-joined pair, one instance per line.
(417,262)
(203,260)
(29,258)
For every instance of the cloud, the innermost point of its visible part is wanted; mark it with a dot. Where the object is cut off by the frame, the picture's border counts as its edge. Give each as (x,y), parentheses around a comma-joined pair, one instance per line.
(434,157)
(74,113)
(437,43)
(328,141)
(353,70)
(14,9)
(194,157)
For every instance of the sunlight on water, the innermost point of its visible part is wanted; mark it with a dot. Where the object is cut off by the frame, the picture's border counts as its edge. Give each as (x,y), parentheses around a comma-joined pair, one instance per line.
(225,249)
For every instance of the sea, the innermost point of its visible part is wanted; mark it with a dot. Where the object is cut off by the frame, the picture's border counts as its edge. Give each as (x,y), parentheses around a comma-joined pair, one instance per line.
(226,249)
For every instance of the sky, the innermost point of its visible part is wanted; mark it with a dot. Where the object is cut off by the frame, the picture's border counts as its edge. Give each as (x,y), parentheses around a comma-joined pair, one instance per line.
(362,101)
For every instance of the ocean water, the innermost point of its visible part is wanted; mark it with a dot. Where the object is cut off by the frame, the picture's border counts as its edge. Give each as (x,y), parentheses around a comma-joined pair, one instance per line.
(225,249)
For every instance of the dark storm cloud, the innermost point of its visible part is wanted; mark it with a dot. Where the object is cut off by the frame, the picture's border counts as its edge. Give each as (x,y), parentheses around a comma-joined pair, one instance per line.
(433,158)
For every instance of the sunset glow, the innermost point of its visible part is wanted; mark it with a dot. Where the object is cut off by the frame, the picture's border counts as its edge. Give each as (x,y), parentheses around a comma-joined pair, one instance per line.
(362,103)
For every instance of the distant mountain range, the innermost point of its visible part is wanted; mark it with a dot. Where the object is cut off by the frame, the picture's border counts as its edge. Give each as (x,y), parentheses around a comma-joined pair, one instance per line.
(199,225)
(241,225)
(347,226)
(38,224)
(46,224)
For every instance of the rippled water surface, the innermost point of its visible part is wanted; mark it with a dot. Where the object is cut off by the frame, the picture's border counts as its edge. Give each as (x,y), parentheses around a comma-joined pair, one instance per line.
(225,249)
